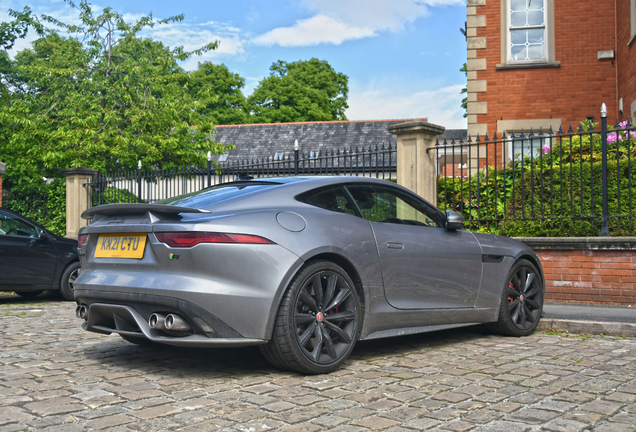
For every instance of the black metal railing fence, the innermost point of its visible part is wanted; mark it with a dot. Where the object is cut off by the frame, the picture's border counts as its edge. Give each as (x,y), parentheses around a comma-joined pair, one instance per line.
(574,183)
(153,185)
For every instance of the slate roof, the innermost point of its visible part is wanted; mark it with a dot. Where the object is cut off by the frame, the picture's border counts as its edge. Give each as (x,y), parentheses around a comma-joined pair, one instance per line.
(257,141)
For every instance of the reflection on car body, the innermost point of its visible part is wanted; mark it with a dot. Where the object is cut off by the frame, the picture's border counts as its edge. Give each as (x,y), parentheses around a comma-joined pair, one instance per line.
(303,267)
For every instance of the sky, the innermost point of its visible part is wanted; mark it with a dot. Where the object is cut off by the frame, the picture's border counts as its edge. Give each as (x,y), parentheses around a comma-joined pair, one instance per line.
(402,57)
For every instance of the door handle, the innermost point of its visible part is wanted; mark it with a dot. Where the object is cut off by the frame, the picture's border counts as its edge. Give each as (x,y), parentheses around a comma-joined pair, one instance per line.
(392,245)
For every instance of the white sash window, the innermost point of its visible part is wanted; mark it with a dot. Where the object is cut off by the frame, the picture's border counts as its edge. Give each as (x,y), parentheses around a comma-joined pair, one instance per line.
(527,31)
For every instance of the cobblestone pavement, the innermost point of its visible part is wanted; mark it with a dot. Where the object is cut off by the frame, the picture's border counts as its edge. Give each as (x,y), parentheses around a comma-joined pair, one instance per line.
(56,377)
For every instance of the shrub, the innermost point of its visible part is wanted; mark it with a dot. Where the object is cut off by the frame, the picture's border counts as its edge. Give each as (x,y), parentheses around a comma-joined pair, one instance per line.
(112,195)
(43,203)
(556,193)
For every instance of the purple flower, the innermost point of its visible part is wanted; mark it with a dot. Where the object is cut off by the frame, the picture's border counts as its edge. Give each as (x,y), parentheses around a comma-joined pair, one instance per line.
(545,150)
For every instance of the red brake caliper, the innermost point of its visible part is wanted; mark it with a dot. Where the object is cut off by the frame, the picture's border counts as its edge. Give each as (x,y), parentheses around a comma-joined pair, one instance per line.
(512,288)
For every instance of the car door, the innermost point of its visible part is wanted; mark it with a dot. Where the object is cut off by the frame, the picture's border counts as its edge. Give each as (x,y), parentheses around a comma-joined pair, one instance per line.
(25,258)
(424,265)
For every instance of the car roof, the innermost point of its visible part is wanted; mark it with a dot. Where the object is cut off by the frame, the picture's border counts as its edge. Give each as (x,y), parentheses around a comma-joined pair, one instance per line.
(267,192)
(309,181)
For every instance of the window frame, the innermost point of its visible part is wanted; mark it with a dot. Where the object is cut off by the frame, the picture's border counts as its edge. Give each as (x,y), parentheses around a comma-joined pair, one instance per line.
(543,27)
(305,196)
(550,58)
(33,230)
(432,212)
(526,125)
(533,148)
(632,21)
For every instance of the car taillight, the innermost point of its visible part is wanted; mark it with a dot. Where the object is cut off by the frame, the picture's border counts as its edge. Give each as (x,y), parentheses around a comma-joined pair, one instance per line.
(189,239)
(81,239)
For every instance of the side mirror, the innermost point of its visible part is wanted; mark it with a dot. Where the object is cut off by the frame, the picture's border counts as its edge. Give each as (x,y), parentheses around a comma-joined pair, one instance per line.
(43,235)
(454,221)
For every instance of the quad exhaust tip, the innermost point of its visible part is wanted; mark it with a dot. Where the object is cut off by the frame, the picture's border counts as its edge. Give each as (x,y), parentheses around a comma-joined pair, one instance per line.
(157,321)
(81,311)
(170,322)
(175,323)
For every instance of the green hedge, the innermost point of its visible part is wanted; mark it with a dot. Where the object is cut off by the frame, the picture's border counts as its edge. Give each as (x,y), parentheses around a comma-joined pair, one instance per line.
(43,203)
(111,195)
(553,189)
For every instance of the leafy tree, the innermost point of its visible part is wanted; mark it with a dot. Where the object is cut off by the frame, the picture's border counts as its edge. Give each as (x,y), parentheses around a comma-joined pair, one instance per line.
(229,105)
(300,91)
(103,99)
(10,32)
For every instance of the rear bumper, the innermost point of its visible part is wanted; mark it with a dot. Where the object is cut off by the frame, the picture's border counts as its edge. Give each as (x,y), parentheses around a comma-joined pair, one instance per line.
(128,320)
(234,289)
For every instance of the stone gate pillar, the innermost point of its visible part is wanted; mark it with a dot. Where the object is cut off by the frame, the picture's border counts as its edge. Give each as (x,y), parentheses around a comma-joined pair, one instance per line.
(417,168)
(76,198)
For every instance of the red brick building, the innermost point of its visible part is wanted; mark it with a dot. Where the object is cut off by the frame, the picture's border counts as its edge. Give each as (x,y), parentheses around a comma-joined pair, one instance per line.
(549,63)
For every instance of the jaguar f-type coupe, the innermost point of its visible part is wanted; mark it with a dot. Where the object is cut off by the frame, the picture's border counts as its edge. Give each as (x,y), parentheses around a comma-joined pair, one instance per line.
(303,267)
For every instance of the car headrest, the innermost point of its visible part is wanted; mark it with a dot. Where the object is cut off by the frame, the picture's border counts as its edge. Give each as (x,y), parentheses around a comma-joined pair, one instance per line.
(363,198)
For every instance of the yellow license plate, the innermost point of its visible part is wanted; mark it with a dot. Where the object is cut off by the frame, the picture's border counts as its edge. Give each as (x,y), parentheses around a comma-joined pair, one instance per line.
(121,245)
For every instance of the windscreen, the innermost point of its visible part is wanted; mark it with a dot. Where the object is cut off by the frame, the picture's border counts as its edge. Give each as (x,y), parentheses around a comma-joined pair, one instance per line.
(206,198)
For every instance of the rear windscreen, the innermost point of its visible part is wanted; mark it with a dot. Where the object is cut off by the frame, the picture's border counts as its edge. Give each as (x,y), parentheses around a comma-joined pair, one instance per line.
(208,197)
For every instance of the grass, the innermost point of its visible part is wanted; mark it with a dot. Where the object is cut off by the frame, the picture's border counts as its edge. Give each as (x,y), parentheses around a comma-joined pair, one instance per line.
(22,314)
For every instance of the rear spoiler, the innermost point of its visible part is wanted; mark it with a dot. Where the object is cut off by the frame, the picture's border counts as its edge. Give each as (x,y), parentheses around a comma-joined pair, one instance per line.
(137,209)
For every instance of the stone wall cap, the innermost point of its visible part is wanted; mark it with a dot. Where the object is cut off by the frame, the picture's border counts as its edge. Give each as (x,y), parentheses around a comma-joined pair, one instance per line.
(416,126)
(586,243)
(3,168)
(80,170)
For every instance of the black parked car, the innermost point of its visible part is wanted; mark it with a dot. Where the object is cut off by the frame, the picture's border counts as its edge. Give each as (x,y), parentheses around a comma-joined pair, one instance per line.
(33,259)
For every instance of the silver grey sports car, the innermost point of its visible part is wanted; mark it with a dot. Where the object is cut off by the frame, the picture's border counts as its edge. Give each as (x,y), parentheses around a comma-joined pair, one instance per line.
(303,267)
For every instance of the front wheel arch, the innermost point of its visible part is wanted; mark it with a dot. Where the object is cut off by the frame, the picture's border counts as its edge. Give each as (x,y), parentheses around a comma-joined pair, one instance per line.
(537,263)
(519,288)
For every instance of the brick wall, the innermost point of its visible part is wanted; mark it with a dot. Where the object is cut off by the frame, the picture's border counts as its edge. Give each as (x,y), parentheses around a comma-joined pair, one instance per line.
(570,92)
(589,276)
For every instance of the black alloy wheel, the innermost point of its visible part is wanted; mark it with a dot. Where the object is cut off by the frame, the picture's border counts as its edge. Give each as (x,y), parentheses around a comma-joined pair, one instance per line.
(317,323)
(522,302)
(325,316)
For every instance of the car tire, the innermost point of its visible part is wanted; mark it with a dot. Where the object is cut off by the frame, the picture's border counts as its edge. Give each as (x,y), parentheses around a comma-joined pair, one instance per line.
(318,321)
(522,301)
(29,294)
(68,279)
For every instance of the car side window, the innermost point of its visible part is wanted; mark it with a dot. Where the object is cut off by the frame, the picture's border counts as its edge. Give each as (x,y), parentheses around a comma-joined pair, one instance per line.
(9,225)
(388,205)
(334,199)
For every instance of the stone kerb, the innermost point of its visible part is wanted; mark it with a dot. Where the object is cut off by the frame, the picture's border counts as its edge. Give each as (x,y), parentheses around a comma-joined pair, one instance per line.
(416,165)
(76,198)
